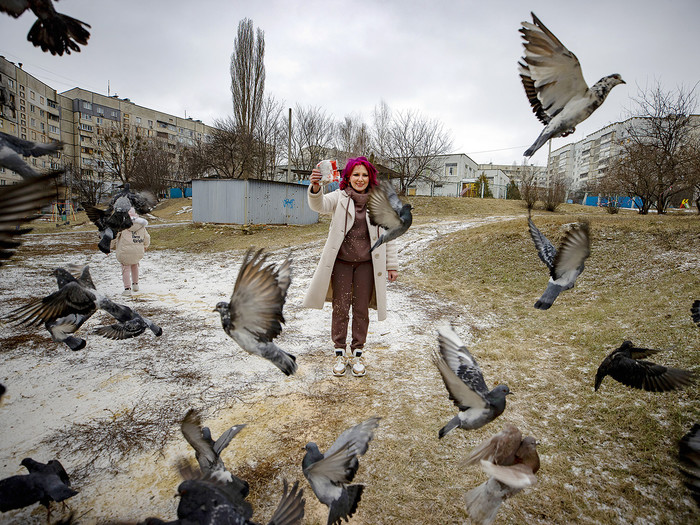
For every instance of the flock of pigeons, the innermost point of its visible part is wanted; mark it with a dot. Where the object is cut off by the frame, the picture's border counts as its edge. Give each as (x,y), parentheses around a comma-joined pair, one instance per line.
(253,317)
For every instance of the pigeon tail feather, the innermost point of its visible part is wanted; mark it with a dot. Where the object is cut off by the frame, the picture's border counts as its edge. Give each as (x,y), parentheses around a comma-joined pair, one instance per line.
(550,294)
(483,502)
(451,425)
(345,508)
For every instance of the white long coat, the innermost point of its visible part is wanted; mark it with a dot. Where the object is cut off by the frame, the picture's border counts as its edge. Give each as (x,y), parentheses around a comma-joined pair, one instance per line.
(384,258)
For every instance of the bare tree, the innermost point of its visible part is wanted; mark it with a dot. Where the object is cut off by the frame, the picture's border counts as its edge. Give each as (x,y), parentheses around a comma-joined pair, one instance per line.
(153,168)
(529,190)
(655,145)
(554,194)
(270,138)
(312,136)
(120,146)
(353,136)
(630,174)
(411,143)
(88,188)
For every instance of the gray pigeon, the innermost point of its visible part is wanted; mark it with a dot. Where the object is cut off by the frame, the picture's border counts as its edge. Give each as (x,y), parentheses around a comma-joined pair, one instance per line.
(253,317)
(511,464)
(566,264)
(386,210)
(329,473)
(465,385)
(43,484)
(206,450)
(625,364)
(689,457)
(695,312)
(554,84)
(12,149)
(18,205)
(53,32)
(64,311)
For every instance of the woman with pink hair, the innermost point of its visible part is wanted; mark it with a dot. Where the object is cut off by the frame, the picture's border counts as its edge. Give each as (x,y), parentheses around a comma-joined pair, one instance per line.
(347,274)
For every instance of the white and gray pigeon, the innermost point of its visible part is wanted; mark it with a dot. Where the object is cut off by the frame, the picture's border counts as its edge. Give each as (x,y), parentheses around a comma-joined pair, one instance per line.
(329,474)
(253,317)
(12,149)
(695,312)
(386,210)
(554,84)
(511,463)
(625,364)
(206,450)
(116,217)
(64,311)
(53,32)
(18,205)
(465,385)
(565,264)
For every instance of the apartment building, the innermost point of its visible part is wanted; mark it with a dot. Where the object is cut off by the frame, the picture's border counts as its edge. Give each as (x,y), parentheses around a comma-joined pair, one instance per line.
(79,118)
(453,173)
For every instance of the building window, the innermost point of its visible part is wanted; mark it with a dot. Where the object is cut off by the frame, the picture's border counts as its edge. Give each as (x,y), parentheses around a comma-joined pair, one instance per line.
(31,108)
(11,83)
(138,120)
(32,96)
(100,111)
(53,129)
(41,99)
(87,105)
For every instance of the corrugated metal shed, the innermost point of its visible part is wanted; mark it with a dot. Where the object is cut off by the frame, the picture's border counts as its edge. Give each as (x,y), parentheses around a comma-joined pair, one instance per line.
(235,201)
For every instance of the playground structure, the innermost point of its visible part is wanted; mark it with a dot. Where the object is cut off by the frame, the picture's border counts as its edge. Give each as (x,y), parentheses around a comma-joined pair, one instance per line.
(62,212)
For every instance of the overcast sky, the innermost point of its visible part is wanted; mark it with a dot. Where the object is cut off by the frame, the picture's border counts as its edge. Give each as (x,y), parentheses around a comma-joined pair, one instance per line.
(455,61)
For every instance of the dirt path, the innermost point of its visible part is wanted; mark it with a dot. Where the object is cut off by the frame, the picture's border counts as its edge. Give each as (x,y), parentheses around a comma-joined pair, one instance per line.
(110,412)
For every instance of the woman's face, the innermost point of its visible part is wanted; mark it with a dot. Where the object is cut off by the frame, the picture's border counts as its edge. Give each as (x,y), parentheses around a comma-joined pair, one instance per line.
(359,178)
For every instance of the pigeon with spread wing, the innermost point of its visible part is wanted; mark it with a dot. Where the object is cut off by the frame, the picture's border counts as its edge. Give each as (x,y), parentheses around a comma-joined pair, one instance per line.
(565,264)
(465,385)
(329,474)
(625,364)
(53,32)
(554,84)
(253,317)
(12,149)
(386,210)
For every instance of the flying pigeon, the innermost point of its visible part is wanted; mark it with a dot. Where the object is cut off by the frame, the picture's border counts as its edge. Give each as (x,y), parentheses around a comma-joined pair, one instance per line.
(12,149)
(695,312)
(207,451)
(253,317)
(625,364)
(689,457)
(386,210)
(511,465)
(554,84)
(565,264)
(465,385)
(17,204)
(52,31)
(116,217)
(64,311)
(44,483)
(329,473)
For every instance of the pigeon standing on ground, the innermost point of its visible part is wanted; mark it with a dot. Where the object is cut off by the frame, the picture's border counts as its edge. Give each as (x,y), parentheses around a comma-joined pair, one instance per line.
(12,149)
(554,84)
(565,264)
(511,462)
(695,312)
(465,385)
(329,473)
(116,217)
(253,317)
(17,204)
(63,312)
(625,364)
(386,210)
(52,31)
(44,483)
(689,457)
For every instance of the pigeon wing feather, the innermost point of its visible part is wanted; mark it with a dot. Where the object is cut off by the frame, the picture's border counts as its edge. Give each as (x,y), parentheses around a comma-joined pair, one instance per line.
(573,251)
(545,249)
(384,206)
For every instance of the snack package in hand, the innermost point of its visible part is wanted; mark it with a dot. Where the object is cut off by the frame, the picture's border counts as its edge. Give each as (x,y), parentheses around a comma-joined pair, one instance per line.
(329,171)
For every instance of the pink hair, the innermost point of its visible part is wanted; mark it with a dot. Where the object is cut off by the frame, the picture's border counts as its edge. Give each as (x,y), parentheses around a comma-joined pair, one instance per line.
(350,165)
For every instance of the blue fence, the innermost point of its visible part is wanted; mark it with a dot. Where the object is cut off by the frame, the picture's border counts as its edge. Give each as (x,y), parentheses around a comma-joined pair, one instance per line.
(176,193)
(623,202)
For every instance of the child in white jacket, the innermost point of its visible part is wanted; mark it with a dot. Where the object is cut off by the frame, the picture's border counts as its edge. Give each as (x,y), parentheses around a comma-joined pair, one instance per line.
(130,245)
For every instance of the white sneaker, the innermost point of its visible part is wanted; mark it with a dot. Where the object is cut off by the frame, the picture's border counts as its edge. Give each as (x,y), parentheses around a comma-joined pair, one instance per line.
(341,364)
(135,287)
(127,291)
(358,366)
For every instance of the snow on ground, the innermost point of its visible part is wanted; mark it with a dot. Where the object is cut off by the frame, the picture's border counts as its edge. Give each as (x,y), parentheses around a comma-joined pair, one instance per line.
(194,363)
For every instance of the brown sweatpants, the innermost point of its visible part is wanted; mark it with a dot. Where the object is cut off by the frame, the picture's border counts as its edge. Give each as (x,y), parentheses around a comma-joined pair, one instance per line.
(353,283)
